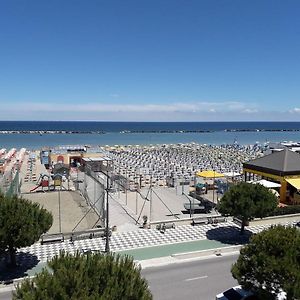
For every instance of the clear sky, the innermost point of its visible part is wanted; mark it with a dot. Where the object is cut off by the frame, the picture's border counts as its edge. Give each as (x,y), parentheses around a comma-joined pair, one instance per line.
(151,60)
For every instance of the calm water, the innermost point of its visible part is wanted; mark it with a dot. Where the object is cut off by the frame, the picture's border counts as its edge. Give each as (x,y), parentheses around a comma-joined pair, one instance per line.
(113,136)
(145,126)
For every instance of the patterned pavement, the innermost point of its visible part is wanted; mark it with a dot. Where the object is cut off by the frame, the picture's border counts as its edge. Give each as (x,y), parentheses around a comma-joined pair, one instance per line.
(120,241)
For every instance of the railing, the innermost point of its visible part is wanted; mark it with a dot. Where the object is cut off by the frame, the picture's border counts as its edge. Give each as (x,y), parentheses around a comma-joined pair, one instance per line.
(74,235)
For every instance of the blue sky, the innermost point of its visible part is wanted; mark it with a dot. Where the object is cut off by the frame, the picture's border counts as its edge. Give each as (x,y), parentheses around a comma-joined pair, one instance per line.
(150,60)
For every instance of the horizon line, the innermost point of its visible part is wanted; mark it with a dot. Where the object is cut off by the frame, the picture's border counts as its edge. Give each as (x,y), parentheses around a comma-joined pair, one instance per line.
(111,121)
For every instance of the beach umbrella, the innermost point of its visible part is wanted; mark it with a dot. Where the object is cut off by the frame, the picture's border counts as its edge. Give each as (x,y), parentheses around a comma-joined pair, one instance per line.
(209,174)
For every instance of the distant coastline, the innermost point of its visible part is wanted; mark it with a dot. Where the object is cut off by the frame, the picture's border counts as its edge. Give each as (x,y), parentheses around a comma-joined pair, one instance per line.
(38,134)
(83,127)
(41,132)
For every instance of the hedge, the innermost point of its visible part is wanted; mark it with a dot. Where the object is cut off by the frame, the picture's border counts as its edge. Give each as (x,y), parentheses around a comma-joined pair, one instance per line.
(286,210)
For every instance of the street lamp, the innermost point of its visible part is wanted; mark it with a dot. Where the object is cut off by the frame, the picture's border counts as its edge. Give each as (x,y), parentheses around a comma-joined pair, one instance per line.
(59,211)
(78,165)
(59,205)
(107,216)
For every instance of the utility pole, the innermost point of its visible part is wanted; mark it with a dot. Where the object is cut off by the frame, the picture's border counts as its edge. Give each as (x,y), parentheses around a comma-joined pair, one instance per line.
(77,183)
(107,250)
(150,216)
(59,211)
(126,185)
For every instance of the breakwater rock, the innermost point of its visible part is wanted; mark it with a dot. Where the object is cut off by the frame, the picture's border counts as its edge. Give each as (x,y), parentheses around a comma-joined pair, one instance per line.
(41,132)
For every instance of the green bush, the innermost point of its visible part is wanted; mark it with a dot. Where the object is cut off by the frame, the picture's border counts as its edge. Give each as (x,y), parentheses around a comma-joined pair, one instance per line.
(247,201)
(287,210)
(91,277)
(21,224)
(270,263)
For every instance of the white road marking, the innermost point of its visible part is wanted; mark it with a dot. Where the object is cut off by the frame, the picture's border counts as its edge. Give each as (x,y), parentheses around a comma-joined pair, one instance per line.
(196,278)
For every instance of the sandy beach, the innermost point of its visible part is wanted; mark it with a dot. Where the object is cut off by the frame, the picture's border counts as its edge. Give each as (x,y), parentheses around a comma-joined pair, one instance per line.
(158,179)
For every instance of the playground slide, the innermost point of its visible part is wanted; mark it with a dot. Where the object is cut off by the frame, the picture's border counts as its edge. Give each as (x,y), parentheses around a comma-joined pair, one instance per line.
(36,187)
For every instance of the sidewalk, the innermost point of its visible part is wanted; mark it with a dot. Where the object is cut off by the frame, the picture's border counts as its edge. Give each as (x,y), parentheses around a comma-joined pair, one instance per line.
(142,256)
(143,244)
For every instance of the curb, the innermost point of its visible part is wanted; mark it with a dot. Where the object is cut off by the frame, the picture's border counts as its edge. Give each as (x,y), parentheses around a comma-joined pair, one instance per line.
(156,262)
(12,285)
(208,252)
(9,288)
(188,256)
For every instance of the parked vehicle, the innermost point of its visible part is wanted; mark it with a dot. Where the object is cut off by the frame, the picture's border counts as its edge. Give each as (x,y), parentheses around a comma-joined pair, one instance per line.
(238,293)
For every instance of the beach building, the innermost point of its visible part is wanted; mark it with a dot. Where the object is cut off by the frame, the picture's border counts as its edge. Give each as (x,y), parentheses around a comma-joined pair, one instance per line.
(45,157)
(98,164)
(281,167)
(69,155)
(276,147)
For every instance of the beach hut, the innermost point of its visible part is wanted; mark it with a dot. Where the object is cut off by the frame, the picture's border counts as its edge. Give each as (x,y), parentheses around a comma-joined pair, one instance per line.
(280,167)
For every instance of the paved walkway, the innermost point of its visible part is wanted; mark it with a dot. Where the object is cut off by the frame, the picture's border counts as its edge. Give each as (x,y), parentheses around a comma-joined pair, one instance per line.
(142,244)
(226,233)
(166,202)
(147,256)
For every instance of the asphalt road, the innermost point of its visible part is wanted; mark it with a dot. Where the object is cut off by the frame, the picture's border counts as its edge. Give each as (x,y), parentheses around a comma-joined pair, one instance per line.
(201,280)
(5,295)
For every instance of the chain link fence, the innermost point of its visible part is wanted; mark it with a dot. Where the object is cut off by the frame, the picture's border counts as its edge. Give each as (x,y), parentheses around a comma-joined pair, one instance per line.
(93,188)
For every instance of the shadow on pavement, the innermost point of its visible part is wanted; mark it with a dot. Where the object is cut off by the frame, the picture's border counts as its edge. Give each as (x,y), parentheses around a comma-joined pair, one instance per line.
(25,262)
(197,213)
(229,235)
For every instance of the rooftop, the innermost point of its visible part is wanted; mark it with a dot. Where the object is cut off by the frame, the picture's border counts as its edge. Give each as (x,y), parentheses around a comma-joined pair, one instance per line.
(281,163)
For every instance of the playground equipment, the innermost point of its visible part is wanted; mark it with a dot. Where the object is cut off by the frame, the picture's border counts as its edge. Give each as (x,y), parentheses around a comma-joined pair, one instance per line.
(42,182)
(57,180)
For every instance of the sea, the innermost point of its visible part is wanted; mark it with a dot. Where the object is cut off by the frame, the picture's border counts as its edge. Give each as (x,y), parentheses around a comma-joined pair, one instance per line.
(38,134)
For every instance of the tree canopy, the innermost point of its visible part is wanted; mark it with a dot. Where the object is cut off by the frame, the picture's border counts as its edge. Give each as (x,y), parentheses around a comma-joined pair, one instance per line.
(270,263)
(87,277)
(21,224)
(247,201)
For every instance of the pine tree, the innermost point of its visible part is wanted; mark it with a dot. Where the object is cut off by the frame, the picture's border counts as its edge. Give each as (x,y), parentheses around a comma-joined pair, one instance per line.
(87,277)
(21,224)
(247,201)
(270,263)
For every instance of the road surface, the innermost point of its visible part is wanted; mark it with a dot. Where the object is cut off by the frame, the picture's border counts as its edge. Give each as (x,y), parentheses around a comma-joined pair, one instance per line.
(7,295)
(201,279)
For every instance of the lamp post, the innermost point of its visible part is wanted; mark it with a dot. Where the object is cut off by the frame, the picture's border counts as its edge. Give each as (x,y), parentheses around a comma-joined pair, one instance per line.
(151,200)
(59,206)
(214,187)
(136,194)
(107,217)
(78,165)
(126,185)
